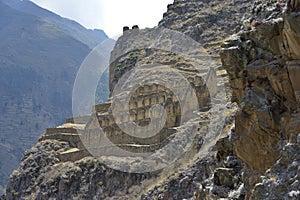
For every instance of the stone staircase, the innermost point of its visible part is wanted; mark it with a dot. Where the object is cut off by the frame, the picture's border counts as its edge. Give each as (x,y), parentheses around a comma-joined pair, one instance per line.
(69,132)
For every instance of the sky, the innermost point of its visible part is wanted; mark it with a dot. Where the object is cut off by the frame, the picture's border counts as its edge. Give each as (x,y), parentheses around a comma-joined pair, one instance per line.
(109,15)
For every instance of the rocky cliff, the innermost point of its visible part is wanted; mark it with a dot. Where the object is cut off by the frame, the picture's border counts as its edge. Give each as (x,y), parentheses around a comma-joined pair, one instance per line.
(263,65)
(255,154)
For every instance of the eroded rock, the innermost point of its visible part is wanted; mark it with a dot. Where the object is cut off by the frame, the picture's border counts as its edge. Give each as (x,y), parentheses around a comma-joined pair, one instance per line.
(263,67)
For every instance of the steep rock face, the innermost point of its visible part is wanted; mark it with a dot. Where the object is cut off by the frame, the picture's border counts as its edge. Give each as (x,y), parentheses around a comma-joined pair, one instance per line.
(263,64)
(208,22)
(281,181)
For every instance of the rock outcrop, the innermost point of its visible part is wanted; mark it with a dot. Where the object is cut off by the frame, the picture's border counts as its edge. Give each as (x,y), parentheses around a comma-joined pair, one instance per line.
(208,22)
(263,65)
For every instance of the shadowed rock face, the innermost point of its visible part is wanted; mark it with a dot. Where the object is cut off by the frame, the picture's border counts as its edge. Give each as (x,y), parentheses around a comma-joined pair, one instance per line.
(293,5)
(264,68)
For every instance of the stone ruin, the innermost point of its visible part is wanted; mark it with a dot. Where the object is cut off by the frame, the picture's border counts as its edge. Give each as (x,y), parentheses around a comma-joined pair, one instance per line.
(125,28)
(139,108)
(134,27)
(141,101)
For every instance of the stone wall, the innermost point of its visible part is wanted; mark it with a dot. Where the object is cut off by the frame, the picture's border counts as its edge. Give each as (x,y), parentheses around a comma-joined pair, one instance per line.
(140,104)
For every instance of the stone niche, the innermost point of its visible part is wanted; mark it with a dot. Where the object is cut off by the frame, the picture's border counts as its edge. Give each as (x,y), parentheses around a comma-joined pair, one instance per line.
(140,104)
(142,100)
(145,97)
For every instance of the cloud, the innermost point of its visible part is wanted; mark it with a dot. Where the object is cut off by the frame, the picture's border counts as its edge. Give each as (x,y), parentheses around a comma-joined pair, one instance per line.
(109,15)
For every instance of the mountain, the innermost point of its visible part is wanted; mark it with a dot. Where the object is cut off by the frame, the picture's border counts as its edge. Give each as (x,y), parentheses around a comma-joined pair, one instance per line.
(89,37)
(70,173)
(246,123)
(39,59)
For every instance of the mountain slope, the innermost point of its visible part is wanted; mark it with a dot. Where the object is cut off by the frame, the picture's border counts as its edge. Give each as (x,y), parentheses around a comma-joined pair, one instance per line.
(89,37)
(38,65)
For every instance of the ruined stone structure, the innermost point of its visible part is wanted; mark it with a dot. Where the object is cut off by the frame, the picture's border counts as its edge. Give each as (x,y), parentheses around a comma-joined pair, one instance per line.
(125,28)
(135,27)
(143,99)
(140,104)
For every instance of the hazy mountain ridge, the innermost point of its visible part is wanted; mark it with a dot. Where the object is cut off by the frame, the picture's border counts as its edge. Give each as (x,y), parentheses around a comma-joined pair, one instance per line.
(38,66)
(87,36)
